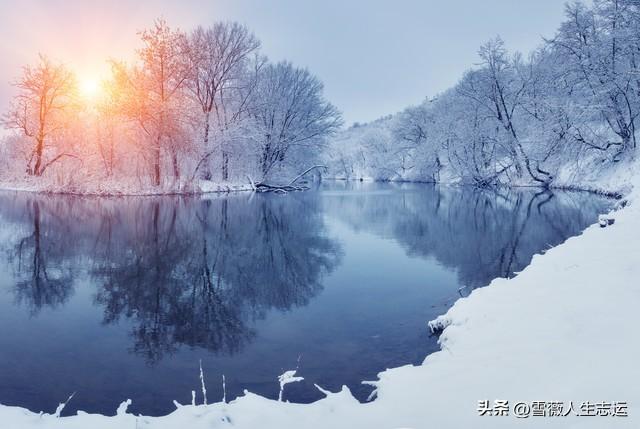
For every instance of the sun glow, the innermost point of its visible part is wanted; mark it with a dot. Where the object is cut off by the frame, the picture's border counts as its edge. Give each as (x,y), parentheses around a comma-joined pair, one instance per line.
(90,88)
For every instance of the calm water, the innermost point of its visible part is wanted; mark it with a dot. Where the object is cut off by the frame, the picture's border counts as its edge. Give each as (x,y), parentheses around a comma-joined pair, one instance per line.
(120,298)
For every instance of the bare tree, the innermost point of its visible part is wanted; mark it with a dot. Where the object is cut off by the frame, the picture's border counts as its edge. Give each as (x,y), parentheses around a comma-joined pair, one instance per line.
(219,57)
(153,91)
(412,129)
(45,99)
(500,89)
(598,51)
(163,113)
(290,112)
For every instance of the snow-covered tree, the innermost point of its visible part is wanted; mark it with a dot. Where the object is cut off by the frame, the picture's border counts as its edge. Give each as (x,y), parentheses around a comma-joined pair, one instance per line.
(574,101)
(598,52)
(41,110)
(291,115)
(154,94)
(218,82)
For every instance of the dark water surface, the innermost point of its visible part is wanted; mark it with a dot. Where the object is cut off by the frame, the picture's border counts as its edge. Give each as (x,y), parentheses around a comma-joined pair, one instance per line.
(116,298)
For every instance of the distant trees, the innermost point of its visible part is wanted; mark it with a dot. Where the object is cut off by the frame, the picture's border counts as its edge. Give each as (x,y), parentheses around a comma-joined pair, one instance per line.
(205,98)
(574,101)
(187,101)
(415,151)
(42,109)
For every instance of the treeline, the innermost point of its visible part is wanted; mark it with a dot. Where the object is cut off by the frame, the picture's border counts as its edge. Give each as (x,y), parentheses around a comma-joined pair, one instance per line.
(194,107)
(571,105)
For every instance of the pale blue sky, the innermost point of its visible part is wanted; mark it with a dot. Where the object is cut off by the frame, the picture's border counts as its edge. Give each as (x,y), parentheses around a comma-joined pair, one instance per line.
(375,57)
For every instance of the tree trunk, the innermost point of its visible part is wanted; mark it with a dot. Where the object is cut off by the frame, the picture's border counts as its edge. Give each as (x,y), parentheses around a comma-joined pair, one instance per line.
(156,163)
(205,169)
(111,153)
(176,167)
(436,176)
(225,166)
(39,150)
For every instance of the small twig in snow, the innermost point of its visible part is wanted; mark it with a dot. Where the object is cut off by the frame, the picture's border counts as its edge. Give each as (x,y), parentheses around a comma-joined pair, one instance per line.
(374,392)
(224,390)
(62,405)
(122,409)
(286,378)
(204,389)
(323,391)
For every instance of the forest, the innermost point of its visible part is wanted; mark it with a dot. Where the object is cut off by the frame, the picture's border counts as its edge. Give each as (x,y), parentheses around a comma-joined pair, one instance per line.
(565,110)
(196,107)
(203,108)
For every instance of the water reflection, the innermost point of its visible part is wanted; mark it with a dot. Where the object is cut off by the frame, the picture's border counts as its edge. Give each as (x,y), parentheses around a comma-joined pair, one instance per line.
(481,234)
(40,277)
(97,287)
(187,271)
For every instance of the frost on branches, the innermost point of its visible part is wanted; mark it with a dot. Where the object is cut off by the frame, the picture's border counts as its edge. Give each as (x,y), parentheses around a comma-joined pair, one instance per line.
(194,109)
(567,109)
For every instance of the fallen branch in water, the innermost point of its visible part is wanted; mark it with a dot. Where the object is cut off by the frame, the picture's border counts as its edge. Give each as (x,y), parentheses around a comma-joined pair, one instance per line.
(253,185)
(283,189)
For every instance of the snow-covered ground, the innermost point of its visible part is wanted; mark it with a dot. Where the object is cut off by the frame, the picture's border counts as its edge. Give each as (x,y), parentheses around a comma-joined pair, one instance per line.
(124,188)
(564,331)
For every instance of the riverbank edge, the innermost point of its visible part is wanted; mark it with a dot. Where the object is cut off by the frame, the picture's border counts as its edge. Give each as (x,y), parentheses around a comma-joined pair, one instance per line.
(211,188)
(610,192)
(232,188)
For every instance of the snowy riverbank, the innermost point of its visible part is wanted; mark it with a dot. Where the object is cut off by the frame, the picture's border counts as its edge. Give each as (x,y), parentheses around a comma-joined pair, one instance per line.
(563,330)
(112,189)
(614,181)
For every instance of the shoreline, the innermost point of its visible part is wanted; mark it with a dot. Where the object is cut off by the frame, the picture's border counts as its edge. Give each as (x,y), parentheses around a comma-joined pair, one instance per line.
(233,188)
(616,192)
(218,188)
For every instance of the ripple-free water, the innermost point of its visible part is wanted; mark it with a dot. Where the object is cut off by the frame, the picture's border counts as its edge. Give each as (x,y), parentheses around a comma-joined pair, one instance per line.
(116,298)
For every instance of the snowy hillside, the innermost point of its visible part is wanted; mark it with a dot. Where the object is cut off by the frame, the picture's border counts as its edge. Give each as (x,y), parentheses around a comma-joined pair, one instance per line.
(565,111)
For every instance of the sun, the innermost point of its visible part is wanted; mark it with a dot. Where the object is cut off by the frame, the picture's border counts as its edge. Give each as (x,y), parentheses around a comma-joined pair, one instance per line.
(90,87)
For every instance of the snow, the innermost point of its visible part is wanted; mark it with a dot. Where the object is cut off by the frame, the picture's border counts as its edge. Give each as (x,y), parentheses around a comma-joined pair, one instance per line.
(286,378)
(564,329)
(121,187)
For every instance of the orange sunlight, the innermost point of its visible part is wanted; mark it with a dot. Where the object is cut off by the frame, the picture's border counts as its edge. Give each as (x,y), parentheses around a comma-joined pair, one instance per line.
(90,87)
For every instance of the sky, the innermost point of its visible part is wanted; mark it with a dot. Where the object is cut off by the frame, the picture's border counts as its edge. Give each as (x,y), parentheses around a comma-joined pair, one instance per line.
(375,57)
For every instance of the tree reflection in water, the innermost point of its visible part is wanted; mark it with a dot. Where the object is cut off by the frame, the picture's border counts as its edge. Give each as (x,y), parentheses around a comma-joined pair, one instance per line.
(41,277)
(185,274)
(188,271)
(200,272)
(481,234)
